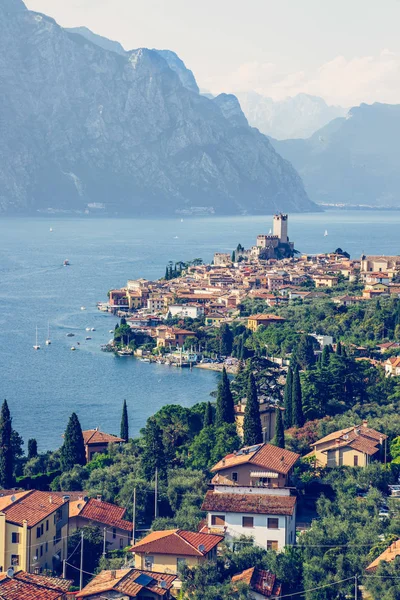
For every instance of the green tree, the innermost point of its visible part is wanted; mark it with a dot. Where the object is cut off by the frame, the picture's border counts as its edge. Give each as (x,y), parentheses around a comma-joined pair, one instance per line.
(225,412)
(153,456)
(6,453)
(325,356)
(279,438)
(297,402)
(303,354)
(124,434)
(32,448)
(73,448)
(92,551)
(225,339)
(339,349)
(287,399)
(208,415)
(252,431)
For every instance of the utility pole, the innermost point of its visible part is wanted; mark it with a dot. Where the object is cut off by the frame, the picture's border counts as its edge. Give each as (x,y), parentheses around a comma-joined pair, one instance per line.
(134,517)
(104,541)
(81,569)
(155,494)
(355,587)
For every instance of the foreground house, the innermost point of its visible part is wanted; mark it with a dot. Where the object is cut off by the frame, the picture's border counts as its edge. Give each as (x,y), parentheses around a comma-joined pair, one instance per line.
(263,584)
(262,465)
(388,555)
(167,551)
(33,531)
(104,515)
(96,442)
(128,584)
(269,517)
(22,585)
(352,447)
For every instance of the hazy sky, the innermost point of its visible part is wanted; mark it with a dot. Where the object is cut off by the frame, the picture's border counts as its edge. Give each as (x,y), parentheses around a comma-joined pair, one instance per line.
(347,51)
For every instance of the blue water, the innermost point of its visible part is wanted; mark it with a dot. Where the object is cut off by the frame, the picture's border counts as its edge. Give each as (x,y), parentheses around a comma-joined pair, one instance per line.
(44,387)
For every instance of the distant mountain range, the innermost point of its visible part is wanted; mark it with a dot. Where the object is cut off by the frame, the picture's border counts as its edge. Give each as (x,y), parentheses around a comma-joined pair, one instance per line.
(86,124)
(297,117)
(353,160)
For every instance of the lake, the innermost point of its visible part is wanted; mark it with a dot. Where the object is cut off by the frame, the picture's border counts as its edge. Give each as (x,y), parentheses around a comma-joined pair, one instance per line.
(43,388)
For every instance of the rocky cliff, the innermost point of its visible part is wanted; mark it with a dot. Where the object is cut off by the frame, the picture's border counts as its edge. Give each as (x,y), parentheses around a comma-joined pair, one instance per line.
(81,124)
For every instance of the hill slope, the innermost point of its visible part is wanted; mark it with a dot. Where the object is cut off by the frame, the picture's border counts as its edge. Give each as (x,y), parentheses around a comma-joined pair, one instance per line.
(81,124)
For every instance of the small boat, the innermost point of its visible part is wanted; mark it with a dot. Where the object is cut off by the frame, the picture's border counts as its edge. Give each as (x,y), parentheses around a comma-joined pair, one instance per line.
(66,263)
(181,220)
(110,331)
(326,233)
(83,307)
(48,341)
(73,348)
(92,329)
(87,329)
(51,229)
(88,337)
(147,360)
(176,237)
(70,335)
(36,346)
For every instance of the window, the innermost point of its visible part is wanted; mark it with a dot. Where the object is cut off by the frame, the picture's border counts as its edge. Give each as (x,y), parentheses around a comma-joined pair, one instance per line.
(149,562)
(180,563)
(47,525)
(247,521)
(38,534)
(114,533)
(15,537)
(121,543)
(41,550)
(14,560)
(217,519)
(355,461)
(54,540)
(272,545)
(47,547)
(273,523)
(41,529)
(234,476)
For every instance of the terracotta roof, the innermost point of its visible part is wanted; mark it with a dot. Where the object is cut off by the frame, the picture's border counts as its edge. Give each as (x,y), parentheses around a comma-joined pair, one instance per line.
(263,504)
(176,541)
(127,582)
(260,581)
(388,555)
(362,429)
(94,436)
(6,499)
(105,513)
(25,586)
(266,456)
(267,317)
(34,507)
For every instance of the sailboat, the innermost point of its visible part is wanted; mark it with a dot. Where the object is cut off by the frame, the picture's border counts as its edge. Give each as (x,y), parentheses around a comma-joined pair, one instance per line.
(51,229)
(326,233)
(36,346)
(48,341)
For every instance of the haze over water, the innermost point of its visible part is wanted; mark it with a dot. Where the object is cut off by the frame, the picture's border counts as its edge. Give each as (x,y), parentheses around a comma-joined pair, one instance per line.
(43,388)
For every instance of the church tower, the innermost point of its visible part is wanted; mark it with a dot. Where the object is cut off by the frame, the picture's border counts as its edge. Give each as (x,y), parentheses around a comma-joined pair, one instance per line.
(281,227)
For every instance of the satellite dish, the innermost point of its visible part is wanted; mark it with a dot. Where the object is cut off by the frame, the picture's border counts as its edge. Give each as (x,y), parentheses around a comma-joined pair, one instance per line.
(13,498)
(10,572)
(201,548)
(163,584)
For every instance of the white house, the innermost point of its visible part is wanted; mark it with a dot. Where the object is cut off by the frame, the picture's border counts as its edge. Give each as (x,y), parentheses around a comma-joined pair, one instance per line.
(392,366)
(261,513)
(191,311)
(323,340)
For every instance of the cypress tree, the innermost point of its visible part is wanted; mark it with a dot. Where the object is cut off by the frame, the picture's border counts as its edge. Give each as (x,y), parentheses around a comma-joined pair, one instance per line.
(6,453)
(32,448)
(287,401)
(208,416)
(252,431)
(297,402)
(233,256)
(279,438)
(73,449)
(325,356)
(339,349)
(124,423)
(153,456)
(225,412)
(166,273)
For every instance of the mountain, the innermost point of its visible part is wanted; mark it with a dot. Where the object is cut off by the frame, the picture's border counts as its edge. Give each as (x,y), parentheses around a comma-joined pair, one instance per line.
(353,160)
(297,117)
(99,40)
(81,124)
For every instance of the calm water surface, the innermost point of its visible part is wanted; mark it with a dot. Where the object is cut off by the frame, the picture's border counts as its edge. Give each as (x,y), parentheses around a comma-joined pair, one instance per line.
(44,387)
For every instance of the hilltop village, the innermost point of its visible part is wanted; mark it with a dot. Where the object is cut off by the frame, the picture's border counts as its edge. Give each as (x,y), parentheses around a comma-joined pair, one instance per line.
(286,483)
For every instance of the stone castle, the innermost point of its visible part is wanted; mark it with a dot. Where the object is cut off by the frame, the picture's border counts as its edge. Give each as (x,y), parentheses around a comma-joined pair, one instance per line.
(274,245)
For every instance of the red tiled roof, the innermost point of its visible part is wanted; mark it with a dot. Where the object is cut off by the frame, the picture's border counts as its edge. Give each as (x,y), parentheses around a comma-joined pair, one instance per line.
(176,541)
(54,583)
(262,317)
(33,507)
(125,582)
(388,555)
(266,456)
(263,504)
(260,581)
(105,512)
(94,436)
(25,586)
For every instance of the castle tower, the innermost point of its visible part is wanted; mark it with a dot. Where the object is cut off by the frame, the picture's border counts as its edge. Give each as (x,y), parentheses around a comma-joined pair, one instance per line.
(281,227)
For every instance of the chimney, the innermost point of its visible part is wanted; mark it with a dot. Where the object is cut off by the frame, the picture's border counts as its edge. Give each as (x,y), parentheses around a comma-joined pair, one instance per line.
(51,499)
(99,497)
(365,423)
(337,441)
(113,574)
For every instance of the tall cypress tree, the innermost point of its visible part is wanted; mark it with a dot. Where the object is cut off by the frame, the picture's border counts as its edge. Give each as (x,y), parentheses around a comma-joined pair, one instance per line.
(208,415)
(73,449)
(225,412)
(6,453)
(339,349)
(124,434)
(297,402)
(32,448)
(279,438)
(153,456)
(325,356)
(287,401)
(252,430)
